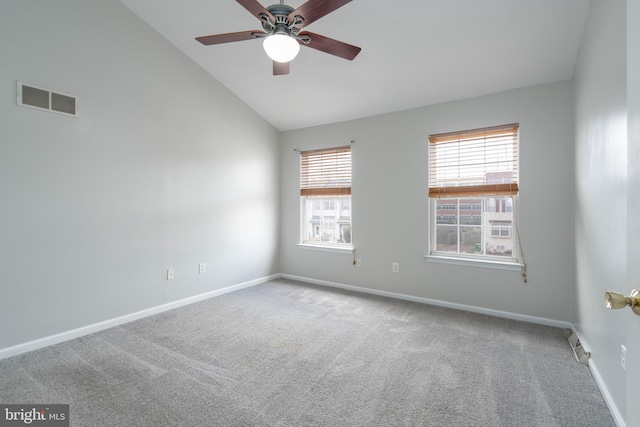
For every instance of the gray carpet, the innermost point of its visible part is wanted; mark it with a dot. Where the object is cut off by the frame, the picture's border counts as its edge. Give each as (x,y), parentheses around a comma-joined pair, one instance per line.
(291,354)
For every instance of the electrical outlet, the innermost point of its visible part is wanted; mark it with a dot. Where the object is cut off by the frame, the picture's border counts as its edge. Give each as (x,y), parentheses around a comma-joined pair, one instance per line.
(359,263)
(623,357)
(395,267)
(171,274)
(202,268)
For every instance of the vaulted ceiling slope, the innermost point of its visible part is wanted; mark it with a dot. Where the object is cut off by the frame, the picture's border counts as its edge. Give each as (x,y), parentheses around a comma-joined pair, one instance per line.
(414,53)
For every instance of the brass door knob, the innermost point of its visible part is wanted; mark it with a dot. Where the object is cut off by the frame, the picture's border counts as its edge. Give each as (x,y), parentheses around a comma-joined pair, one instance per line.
(615,300)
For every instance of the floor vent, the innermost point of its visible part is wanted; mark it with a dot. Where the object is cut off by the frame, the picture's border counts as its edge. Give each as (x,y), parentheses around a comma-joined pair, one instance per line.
(579,353)
(45,99)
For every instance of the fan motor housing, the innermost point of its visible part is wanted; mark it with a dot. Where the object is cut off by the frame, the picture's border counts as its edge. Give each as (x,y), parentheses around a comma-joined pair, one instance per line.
(281,25)
(280,10)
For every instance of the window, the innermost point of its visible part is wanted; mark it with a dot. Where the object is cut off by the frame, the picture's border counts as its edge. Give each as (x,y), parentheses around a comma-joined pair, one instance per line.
(329,205)
(500,228)
(325,193)
(473,185)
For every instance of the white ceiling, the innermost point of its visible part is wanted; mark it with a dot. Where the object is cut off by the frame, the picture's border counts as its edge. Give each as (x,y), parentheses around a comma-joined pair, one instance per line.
(414,53)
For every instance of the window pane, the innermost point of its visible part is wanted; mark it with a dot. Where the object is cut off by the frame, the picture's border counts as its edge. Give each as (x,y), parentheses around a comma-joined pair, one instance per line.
(345,232)
(470,240)
(499,226)
(446,238)
(326,220)
(447,211)
(471,213)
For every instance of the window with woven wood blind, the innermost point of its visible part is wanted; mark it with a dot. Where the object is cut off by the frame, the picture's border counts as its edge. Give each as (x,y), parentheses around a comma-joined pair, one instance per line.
(474,162)
(325,193)
(473,184)
(325,172)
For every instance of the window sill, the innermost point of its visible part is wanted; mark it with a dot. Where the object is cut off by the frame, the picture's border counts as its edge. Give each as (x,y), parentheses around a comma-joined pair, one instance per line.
(498,265)
(322,248)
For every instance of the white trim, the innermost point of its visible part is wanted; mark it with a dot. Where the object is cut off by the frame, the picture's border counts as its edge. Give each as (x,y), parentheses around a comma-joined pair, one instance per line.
(470,308)
(335,249)
(606,395)
(86,330)
(471,262)
(89,329)
(482,261)
(96,327)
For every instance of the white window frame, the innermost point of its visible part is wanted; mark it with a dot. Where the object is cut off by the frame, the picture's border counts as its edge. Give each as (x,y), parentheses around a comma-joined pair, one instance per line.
(319,245)
(512,263)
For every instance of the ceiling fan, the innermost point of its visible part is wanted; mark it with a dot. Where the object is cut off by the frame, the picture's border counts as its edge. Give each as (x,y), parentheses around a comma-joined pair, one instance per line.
(281,31)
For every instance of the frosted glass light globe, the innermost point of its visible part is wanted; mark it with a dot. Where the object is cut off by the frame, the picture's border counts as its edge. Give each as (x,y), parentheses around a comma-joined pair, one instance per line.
(281,48)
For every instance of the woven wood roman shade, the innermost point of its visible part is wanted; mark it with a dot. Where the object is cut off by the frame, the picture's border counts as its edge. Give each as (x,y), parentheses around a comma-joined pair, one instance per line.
(325,172)
(478,162)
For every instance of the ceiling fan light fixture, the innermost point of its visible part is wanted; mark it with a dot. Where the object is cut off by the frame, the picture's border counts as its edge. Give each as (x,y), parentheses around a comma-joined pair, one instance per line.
(281,47)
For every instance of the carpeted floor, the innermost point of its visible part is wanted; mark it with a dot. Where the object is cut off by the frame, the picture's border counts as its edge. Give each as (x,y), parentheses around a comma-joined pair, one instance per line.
(291,354)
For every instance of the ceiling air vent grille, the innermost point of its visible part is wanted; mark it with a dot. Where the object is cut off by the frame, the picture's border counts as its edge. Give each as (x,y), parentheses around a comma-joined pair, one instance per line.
(45,99)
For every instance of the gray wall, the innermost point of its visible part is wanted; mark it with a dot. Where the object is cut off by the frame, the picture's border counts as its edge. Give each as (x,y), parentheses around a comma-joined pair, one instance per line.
(165,168)
(601,186)
(633,206)
(390,203)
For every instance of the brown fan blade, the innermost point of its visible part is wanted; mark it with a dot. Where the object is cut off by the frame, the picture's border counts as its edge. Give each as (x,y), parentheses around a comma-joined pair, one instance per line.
(280,68)
(331,46)
(313,10)
(228,37)
(256,8)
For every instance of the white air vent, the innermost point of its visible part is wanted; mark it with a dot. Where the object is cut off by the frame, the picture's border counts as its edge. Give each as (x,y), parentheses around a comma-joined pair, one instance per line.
(45,99)
(578,351)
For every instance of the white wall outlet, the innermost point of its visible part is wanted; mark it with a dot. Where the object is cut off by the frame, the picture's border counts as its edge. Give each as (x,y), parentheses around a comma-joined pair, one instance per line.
(171,274)
(202,268)
(359,263)
(623,357)
(395,267)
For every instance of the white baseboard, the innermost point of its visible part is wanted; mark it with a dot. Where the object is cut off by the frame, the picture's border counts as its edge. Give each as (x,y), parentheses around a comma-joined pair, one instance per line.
(473,309)
(606,395)
(96,327)
(86,330)
(615,412)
